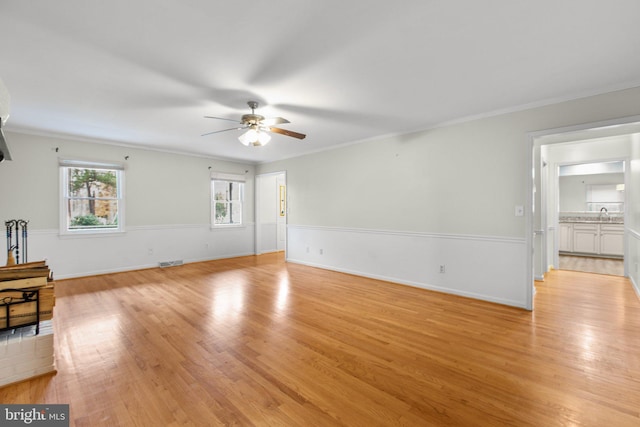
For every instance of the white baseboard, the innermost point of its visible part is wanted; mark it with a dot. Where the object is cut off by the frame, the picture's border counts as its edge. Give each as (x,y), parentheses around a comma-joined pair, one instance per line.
(482,267)
(633,252)
(414,284)
(635,286)
(137,248)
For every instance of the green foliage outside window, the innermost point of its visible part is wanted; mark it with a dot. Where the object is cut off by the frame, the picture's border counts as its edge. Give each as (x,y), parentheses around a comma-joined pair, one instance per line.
(92,198)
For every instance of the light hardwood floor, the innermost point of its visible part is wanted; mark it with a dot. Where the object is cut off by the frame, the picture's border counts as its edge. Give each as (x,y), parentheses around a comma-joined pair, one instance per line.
(257,341)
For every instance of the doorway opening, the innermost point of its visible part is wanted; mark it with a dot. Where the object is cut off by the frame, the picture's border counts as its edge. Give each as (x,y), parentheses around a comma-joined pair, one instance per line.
(271,213)
(590,208)
(601,142)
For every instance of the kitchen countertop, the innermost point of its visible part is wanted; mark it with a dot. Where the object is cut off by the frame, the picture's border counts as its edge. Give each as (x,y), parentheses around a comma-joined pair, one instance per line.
(592,220)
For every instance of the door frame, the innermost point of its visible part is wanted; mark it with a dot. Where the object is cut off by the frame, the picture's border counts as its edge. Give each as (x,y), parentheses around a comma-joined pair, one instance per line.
(257,231)
(534,140)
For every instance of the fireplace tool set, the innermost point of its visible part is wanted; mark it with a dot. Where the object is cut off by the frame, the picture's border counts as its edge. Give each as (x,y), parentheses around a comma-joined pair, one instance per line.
(19,227)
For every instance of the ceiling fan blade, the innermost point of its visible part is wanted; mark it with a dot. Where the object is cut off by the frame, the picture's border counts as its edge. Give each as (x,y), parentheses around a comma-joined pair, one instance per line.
(274,121)
(224,130)
(221,118)
(288,133)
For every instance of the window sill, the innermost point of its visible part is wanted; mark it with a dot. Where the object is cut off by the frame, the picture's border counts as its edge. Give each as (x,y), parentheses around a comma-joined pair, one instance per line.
(227,226)
(90,234)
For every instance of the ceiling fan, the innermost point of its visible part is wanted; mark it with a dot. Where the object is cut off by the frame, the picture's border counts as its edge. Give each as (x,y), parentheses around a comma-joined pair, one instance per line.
(257,127)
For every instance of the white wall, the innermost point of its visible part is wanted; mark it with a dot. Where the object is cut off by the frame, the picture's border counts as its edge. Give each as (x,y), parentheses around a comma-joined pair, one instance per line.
(456,183)
(481,267)
(633,216)
(167,207)
(573,189)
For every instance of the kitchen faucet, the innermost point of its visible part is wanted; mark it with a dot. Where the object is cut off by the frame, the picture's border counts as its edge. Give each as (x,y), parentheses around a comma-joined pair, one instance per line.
(605,211)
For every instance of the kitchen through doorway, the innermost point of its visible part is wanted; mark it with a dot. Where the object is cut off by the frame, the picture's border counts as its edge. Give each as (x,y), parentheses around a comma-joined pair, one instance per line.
(596,142)
(590,207)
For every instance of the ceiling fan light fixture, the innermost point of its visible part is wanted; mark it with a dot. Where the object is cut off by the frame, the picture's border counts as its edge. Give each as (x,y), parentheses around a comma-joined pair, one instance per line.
(249,137)
(258,128)
(263,138)
(254,137)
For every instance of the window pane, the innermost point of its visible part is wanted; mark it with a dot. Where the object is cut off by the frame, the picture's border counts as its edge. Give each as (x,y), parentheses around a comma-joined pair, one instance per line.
(236,190)
(90,213)
(92,199)
(222,213)
(221,190)
(227,202)
(236,213)
(92,183)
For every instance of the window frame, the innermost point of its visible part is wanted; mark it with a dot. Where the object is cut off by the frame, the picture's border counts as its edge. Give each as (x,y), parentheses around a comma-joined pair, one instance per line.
(227,179)
(118,169)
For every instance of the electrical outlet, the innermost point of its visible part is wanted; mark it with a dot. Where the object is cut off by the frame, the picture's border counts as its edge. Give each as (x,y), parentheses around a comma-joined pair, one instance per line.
(442,269)
(150,251)
(321,251)
(307,249)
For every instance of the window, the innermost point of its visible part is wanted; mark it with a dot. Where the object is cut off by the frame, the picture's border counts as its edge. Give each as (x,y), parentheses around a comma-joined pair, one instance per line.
(227,197)
(91,197)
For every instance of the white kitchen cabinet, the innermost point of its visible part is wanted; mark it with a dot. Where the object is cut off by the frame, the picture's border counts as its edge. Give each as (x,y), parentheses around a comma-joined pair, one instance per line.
(586,238)
(597,239)
(612,239)
(565,242)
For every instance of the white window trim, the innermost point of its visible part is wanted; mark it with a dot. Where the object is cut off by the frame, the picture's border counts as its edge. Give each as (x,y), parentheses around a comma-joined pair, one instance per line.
(229,177)
(90,164)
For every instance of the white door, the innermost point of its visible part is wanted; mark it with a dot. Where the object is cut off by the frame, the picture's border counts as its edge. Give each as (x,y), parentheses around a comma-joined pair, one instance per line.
(281,232)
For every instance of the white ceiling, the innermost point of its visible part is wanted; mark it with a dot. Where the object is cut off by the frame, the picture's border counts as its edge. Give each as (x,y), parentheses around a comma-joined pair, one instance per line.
(145,72)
